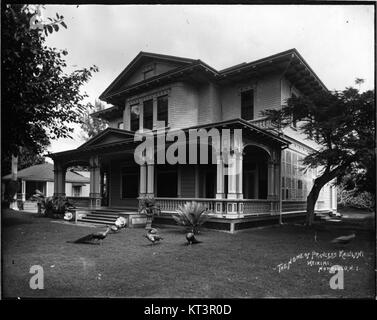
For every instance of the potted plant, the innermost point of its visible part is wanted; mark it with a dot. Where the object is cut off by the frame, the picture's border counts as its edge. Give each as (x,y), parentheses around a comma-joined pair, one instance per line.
(57,206)
(148,206)
(192,215)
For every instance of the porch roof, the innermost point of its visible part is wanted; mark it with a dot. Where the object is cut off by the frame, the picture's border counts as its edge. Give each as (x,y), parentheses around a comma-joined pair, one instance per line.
(123,140)
(45,172)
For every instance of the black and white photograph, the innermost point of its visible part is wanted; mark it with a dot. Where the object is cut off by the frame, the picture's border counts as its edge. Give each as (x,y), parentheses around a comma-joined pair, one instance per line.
(188,151)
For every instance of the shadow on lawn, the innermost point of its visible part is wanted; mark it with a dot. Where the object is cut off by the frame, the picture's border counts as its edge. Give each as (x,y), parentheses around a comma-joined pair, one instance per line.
(15,221)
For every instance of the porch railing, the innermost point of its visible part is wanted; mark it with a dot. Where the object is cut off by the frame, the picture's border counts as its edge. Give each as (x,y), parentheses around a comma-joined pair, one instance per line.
(264,123)
(223,206)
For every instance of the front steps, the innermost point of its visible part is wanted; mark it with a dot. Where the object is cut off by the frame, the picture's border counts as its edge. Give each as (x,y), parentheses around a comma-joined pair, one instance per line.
(99,218)
(30,206)
(108,216)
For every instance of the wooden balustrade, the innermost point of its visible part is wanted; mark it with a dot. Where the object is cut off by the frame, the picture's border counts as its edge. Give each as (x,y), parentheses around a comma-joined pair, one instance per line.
(223,206)
(262,123)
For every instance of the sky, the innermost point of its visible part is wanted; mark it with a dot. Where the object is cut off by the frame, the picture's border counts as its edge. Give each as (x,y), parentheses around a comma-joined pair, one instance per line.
(337,41)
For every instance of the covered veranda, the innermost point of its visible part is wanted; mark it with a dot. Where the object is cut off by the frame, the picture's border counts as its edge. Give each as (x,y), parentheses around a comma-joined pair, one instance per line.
(243,181)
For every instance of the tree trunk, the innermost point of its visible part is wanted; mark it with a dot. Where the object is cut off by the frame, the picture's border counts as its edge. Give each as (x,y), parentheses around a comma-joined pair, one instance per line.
(314,193)
(14,176)
(310,204)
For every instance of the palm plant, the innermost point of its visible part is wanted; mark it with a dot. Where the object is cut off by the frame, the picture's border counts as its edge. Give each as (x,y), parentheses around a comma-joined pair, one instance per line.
(191,214)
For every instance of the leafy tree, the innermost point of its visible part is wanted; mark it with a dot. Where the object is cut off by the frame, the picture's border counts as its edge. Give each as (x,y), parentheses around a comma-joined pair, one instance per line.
(342,124)
(92,125)
(26,159)
(39,99)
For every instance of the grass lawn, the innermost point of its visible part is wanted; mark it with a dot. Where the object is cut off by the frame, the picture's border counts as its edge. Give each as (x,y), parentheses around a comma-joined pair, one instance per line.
(225,265)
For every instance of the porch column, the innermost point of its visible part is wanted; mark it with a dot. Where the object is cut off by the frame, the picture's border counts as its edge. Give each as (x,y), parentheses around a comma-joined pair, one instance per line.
(219,184)
(232,177)
(142,180)
(232,206)
(270,181)
(23,190)
(239,172)
(219,177)
(150,179)
(59,180)
(239,168)
(95,182)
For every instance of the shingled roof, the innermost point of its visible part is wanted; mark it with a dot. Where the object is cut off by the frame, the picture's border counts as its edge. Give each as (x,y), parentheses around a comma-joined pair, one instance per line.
(45,172)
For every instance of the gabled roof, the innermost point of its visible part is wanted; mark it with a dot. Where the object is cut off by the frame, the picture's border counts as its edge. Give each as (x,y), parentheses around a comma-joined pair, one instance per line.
(142,56)
(109,135)
(45,172)
(289,62)
(108,138)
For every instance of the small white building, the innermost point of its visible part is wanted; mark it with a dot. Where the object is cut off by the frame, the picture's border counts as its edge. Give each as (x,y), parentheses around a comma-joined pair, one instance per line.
(41,177)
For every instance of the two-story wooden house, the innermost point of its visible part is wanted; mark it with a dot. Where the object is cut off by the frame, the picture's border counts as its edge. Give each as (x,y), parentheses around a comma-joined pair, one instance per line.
(188,94)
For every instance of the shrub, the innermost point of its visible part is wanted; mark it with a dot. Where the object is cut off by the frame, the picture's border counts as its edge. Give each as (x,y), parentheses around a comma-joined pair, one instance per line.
(350,198)
(191,214)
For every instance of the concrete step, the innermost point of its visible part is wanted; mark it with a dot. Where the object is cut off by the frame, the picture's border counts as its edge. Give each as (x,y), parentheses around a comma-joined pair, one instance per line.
(88,217)
(107,211)
(102,215)
(95,221)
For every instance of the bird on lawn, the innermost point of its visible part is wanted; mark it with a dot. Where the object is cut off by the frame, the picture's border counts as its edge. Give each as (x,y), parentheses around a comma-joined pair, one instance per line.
(115,229)
(190,237)
(93,238)
(153,237)
(344,239)
(153,231)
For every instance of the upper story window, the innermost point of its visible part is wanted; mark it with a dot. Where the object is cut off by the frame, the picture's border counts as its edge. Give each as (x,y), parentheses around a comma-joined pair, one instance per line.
(162,109)
(135,116)
(247,105)
(148,71)
(148,114)
(120,125)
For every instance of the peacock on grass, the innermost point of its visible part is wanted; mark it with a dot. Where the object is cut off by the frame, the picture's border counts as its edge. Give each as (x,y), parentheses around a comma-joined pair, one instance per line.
(93,238)
(191,214)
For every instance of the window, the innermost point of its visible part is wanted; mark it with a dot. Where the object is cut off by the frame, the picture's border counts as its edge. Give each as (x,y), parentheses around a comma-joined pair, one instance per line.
(148,114)
(76,191)
(148,74)
(296,183)
(130,182)
(135,115)
(247,105)
(162,109)
(120,125)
